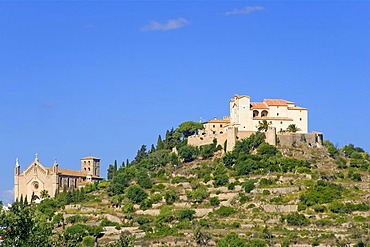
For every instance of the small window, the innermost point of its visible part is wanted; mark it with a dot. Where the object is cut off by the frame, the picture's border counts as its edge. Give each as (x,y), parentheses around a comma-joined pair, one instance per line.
(214,132)
(214,126)
(221,132)
(281,122)
(220,125)
(277,114)
(89,168)
(300,119)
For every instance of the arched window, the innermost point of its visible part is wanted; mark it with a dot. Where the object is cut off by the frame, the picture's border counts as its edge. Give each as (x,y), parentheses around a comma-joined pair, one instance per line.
(255,113)
(264,113)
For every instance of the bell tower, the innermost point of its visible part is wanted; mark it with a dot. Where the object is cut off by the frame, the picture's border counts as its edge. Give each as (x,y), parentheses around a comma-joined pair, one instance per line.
(91,166)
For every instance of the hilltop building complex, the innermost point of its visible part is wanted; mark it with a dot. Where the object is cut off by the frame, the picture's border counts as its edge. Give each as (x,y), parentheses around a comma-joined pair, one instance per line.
(36,178)
(245,118)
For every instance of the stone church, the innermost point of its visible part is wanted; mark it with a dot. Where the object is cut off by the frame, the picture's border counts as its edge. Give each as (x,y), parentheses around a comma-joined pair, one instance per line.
(36,177)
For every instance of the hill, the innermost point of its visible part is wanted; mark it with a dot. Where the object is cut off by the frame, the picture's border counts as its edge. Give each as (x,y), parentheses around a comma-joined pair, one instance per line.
(256,195)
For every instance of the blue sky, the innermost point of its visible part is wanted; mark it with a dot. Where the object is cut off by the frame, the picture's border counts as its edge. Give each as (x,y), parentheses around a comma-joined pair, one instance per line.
(98,78)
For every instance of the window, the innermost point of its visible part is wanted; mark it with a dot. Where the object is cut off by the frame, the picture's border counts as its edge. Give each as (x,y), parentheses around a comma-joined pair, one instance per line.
(221,132)
(300,119)
(220,125)
(214,126)
(214,132)
(277,114)
(281,122)
(36,185)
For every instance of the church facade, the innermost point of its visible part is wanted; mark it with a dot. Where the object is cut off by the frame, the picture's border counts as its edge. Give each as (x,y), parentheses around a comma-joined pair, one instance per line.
(37,178)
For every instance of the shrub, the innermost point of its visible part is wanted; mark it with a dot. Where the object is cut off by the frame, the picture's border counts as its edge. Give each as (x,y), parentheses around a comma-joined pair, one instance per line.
(220,179)
(322,192)
(106,222)
(156,197)
(185,214)
(266,192)
(266,149)
(76,219)
(145,204)
(231,186)
(128,208)
(296,219)
(170,196)
(266,182)
(318,208)
(248,185)
(356,177)
(225,211)
(198,195)
(214,201)
(231,240)
(88,241)
(142,220)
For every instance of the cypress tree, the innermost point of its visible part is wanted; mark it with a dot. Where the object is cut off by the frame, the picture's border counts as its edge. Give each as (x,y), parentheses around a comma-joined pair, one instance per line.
(160,144)
(115,168)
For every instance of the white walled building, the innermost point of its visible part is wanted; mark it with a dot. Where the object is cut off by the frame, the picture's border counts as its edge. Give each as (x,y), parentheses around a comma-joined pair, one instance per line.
(279,113)
(244,120)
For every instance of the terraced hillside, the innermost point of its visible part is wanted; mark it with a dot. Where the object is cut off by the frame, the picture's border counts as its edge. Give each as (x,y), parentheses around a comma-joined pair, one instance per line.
(257,195)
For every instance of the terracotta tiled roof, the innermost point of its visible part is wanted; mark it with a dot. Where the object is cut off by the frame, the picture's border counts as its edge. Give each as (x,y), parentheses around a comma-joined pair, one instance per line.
(297,108)
(89,158)
(75,173)
(258,105)
(277,102)
(72,172)
(219,121)
(240,96)
(273,118)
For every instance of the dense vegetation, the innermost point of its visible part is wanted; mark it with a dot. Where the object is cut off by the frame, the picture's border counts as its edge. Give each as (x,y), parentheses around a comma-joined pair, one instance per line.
(216,198)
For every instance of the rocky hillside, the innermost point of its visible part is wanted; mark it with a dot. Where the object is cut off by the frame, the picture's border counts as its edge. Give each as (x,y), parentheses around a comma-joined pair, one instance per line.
(255,196)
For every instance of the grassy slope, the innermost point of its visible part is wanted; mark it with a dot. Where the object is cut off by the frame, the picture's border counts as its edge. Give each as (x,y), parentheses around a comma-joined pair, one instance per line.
(250,217)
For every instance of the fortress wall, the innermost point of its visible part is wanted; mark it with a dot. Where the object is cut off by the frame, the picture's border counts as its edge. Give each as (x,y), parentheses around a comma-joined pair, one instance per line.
(291,139)
(205,140)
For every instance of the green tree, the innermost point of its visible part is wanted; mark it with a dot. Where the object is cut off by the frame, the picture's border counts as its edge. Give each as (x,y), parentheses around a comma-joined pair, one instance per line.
(201,237)
(189,128)
(231,240)
(141,154)
(25,227)
(188,153)
(292,128)
(160,144)
(263,126)
(44,194)
(266,149)
(143,179)
(136,194)
(297,219)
